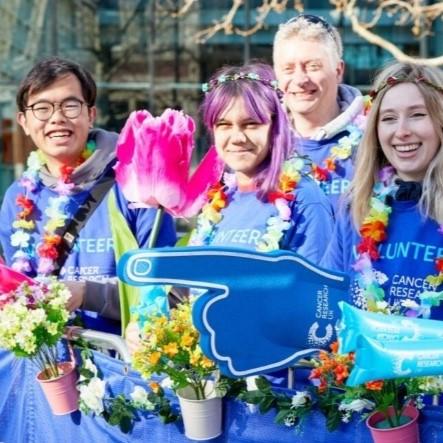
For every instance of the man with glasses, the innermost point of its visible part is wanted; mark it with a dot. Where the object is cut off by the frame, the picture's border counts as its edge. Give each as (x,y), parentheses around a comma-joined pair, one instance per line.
(326,115)
(56,108)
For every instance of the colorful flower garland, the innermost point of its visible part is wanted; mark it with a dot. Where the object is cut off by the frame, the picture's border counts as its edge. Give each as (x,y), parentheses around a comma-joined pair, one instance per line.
(345,146)
(219,196)
(373,232)
(342,151)
(24,225)
(212,84)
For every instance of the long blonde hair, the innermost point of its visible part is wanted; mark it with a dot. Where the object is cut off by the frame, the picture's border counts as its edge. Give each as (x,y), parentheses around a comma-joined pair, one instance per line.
(370,158)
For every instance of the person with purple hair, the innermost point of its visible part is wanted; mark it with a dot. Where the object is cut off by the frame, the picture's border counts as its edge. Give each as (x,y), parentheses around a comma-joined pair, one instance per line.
(264,201)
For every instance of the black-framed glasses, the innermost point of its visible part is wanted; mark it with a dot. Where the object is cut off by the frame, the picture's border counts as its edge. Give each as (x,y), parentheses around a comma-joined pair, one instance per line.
(44,110)
(314,19)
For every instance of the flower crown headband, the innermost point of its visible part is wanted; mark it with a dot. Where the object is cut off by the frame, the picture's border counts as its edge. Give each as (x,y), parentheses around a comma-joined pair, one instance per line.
(212,84)
(394,80)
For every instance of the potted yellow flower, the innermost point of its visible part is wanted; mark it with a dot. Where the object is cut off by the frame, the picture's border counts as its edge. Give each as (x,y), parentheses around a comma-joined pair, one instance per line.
(170,347)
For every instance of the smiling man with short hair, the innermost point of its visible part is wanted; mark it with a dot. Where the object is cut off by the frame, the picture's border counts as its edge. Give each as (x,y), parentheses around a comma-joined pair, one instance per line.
(326,115)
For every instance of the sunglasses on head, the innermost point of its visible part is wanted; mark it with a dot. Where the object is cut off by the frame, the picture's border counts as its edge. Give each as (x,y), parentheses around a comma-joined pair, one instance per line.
(314,19)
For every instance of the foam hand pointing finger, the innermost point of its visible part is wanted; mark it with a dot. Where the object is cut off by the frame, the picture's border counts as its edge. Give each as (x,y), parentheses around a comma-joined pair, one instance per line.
(261,312)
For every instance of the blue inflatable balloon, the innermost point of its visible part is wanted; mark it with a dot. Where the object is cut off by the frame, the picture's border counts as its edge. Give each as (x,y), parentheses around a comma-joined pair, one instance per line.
(375,360)
(356,322)
(261,312)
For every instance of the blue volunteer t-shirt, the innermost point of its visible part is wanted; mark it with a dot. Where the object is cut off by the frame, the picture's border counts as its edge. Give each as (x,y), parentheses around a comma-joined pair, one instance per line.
(406,257)
(245,220)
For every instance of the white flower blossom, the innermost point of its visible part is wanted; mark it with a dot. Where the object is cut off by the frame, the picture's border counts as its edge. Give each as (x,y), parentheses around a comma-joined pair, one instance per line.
(91,395)
(90,366)
(251,385)
(301,398)
(357,405)
(290,420)
(166,383)
(140,398)
(346,417)
(20,239)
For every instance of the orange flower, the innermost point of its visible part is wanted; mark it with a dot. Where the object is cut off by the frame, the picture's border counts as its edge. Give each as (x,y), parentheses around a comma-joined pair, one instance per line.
(155,387)
(170,349)
(287,183)
(376,385)
(375,230)
(206,363)
(187,340)
(217,197)
(341,373)
(330,164)
(334,347)
(154,358)
(52,239)
(315,373)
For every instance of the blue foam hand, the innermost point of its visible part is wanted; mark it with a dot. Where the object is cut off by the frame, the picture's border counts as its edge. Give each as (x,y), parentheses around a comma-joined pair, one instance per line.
(261,313)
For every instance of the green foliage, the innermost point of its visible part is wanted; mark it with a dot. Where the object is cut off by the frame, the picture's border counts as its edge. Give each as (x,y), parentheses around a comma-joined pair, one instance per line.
(118,410)
(290,410)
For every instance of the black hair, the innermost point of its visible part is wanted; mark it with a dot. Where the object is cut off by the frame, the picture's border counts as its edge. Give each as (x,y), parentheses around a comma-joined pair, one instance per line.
(47,71)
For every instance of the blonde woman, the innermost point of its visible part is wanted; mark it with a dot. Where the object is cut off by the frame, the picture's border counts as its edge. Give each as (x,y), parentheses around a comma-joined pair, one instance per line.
(390,237)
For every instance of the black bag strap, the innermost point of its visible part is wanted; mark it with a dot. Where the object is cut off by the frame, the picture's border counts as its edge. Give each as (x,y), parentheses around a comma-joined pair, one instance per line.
(80,218)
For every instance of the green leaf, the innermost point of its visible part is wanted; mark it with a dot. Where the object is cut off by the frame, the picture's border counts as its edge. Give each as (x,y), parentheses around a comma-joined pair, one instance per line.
(333,419)
(253,397)
(266,404)
(282,414)
(262,384)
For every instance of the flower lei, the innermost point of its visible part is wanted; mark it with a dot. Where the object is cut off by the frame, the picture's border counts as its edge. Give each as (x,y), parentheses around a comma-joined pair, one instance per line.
(345,146)
(342,151)
(24,225)
(373,232)
(219,196)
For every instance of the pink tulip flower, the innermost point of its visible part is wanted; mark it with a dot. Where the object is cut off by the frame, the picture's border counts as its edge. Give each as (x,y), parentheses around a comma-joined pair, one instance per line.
(10,279)
(154,160)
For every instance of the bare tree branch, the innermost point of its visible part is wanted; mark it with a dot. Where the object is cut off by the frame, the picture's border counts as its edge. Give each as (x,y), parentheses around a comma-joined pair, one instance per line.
(408,10)
(171,7)
(365,16)
(225,24)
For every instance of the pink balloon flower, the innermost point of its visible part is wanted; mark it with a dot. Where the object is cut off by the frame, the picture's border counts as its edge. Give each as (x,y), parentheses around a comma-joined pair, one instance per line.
(154,160)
